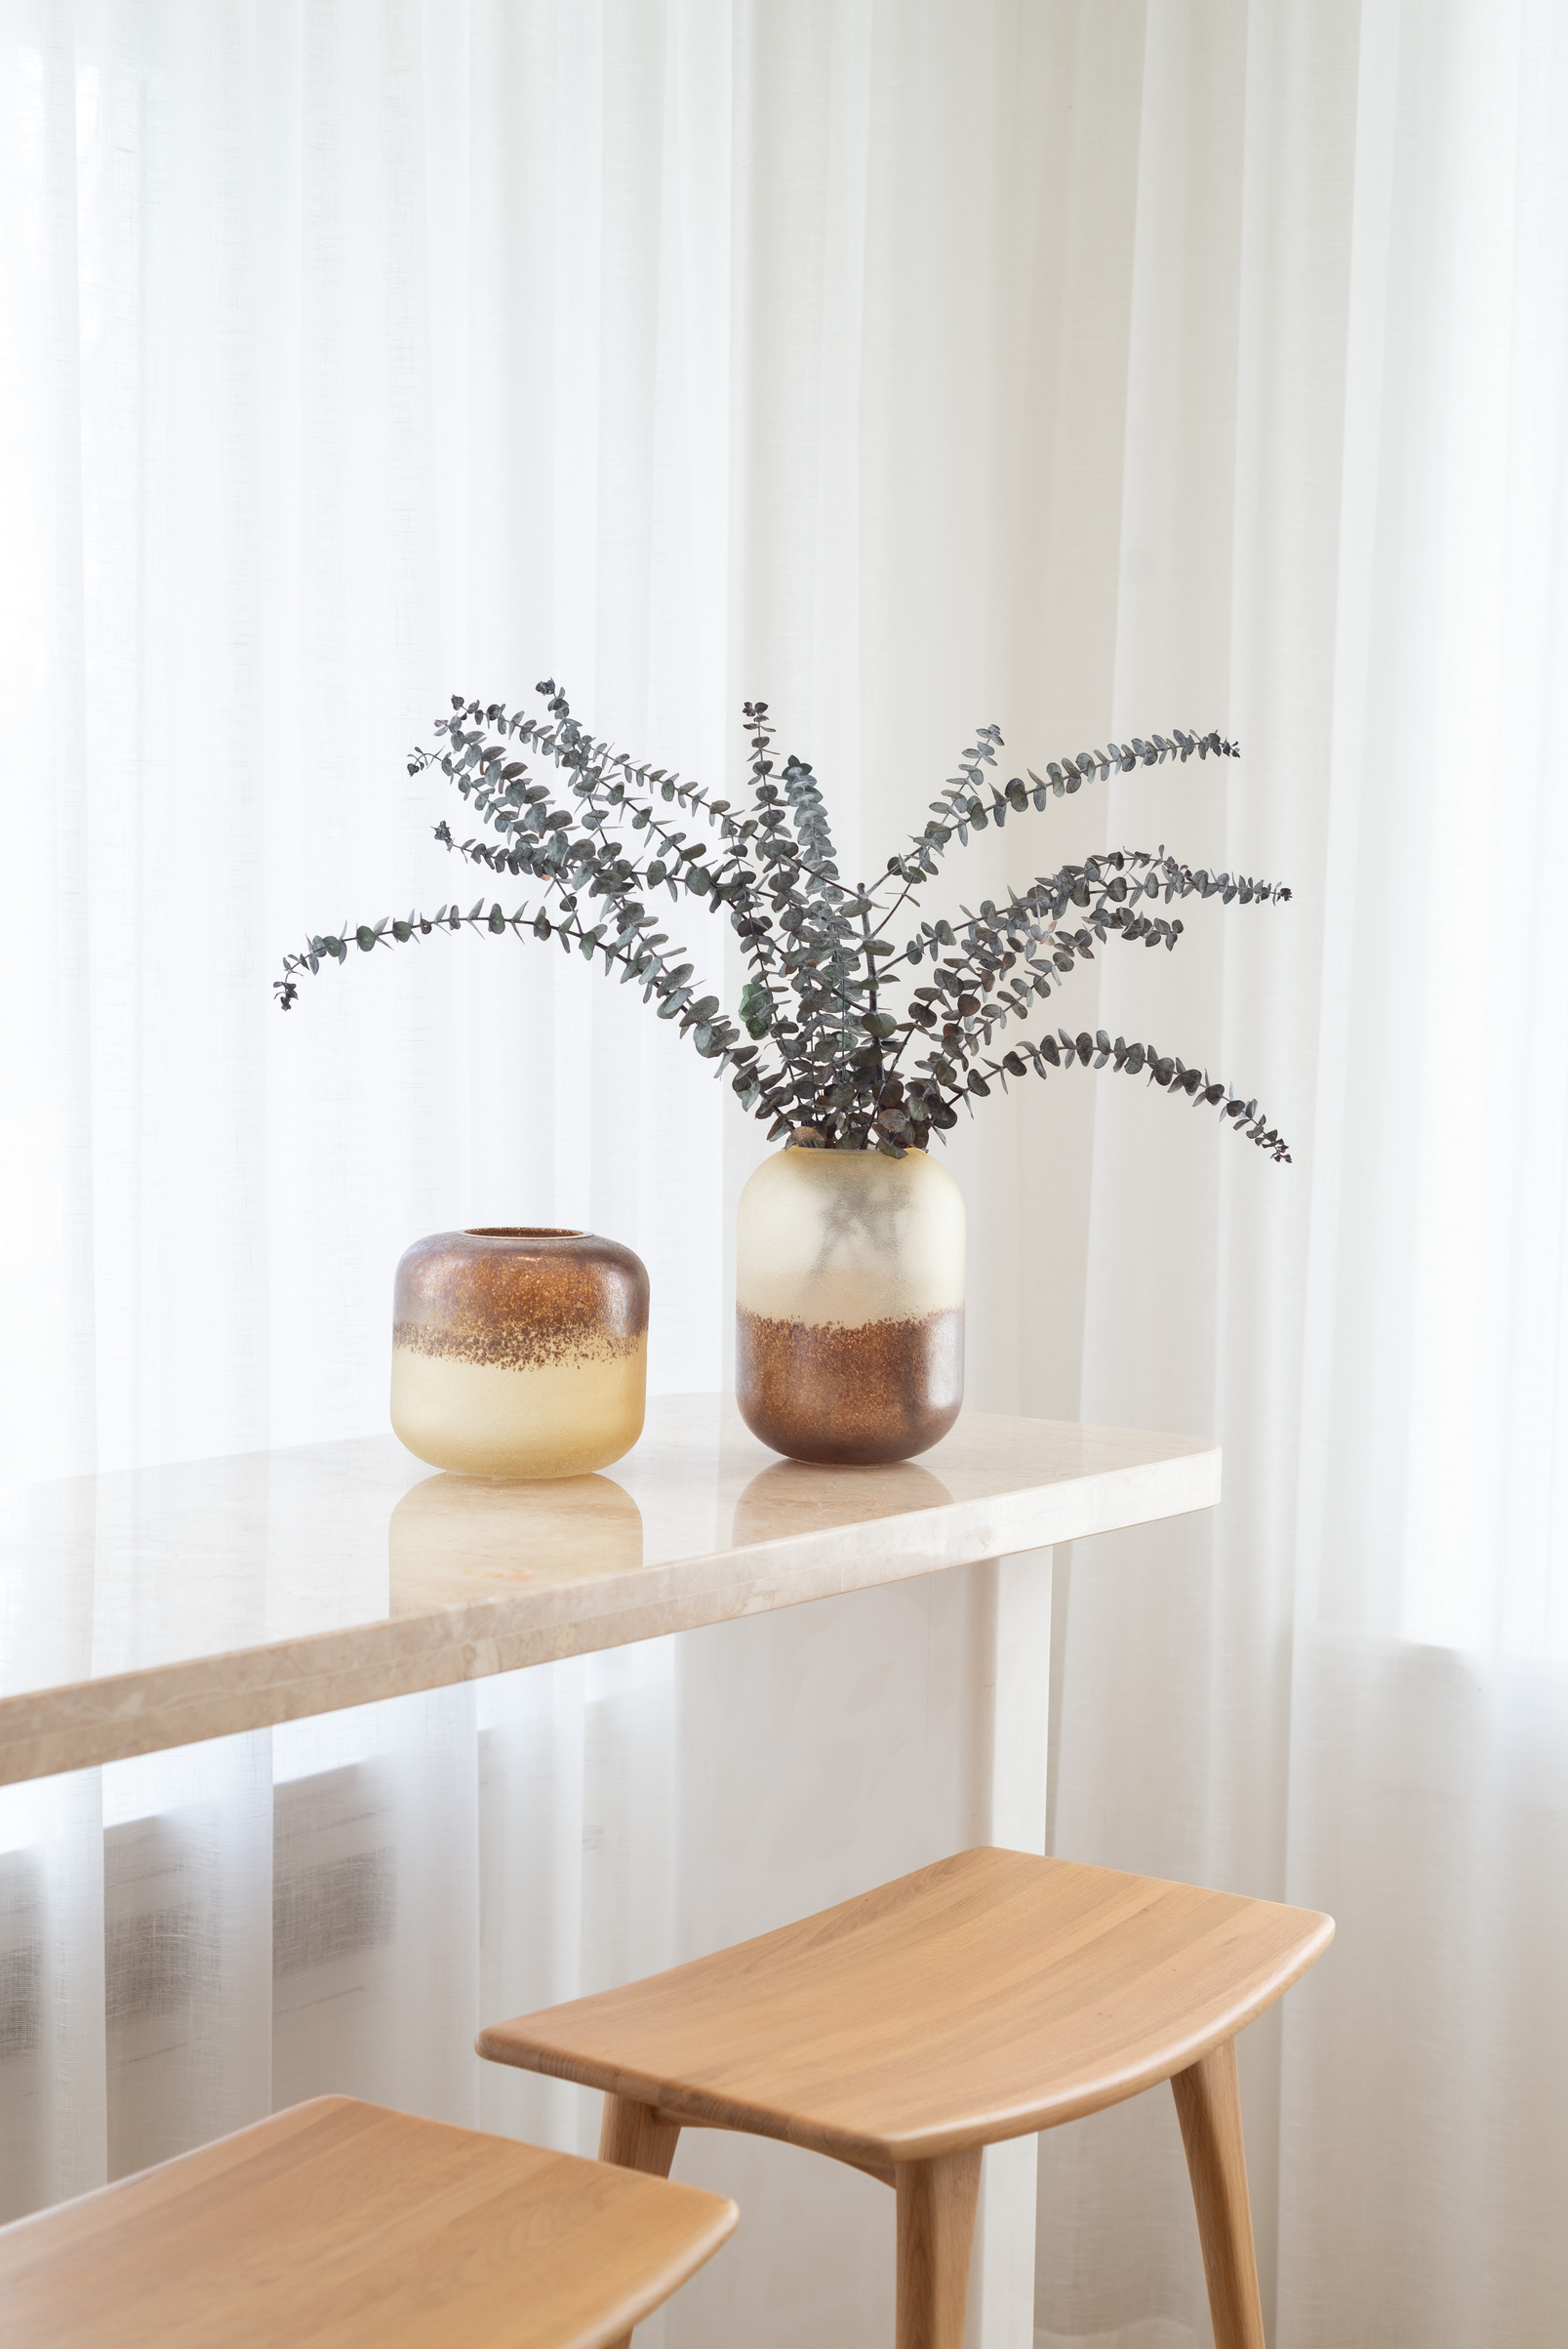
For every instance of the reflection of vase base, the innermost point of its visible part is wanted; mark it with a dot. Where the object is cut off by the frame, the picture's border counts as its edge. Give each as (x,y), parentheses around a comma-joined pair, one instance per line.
(789,1498)
(823,1391)
(485,1419)
(453,1538)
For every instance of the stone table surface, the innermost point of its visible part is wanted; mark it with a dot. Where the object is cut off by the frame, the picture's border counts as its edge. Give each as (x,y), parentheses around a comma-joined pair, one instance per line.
(156,1606)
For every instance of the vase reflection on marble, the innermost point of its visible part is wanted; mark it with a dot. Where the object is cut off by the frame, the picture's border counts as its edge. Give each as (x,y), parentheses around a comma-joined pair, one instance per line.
(850,1304)
(520,1353)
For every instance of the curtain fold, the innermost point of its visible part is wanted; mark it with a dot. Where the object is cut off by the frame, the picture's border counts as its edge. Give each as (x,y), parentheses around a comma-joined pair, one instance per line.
(1093,368)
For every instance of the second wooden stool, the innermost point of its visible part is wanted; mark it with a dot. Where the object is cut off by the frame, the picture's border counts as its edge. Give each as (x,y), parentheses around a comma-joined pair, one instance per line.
(346,2226)
(990,1995)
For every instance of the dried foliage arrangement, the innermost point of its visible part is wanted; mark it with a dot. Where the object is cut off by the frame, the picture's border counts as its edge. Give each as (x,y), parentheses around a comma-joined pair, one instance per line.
(852,1040)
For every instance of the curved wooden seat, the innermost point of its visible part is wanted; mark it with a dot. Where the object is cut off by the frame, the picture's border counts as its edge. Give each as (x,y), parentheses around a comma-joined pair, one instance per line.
(985,1996)
(345,2226)
(989,1996)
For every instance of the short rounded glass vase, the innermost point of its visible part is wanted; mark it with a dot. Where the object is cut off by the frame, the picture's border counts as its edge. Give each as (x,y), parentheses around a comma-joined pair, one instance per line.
(850,1304)
(520,1353)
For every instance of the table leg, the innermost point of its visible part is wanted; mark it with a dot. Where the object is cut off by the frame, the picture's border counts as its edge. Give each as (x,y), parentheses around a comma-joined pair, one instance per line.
(1013,1606)
(825,1749)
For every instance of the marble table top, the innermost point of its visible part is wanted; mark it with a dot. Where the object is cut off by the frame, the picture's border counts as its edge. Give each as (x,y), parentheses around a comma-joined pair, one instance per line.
(156,1606)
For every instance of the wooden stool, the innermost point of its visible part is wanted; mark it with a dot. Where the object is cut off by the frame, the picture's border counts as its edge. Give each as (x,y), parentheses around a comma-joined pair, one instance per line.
(988,1997)
(340,2223)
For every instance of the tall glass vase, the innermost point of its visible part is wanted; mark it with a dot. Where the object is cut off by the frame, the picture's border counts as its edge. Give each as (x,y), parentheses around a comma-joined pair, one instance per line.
(850,1304)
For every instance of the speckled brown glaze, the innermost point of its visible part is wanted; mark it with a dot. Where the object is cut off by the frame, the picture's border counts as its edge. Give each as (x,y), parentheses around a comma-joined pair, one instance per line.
(520,1299)
(823,1391)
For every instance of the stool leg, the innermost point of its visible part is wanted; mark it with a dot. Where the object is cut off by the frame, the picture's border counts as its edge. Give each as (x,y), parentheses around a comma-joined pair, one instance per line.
(634,2137)
(935,2229)
(1208,2104)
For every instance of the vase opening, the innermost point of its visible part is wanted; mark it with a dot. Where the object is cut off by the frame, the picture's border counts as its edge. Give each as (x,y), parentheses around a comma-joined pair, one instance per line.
(519,1232)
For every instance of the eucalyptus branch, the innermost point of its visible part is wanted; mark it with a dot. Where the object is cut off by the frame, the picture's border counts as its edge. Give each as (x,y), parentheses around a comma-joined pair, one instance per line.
(821,1002)
(1111,890)
(1084,1051)
(970,800)
(675,986)
(608,784)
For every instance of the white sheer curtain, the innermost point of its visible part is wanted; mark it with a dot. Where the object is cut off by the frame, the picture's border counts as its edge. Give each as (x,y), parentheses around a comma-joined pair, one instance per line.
(1344,501)
(348,355)
(1090,367)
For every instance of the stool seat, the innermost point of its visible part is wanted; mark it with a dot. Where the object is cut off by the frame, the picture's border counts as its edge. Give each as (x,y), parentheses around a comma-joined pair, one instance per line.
(343,2225)
(989,1996)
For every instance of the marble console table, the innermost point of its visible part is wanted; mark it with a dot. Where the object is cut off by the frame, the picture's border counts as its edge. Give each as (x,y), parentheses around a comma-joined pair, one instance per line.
(161,1605)
(902,1613)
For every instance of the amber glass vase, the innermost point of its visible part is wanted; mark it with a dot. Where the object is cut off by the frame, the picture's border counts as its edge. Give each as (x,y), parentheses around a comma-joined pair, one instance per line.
(520,1353)
(850,1304)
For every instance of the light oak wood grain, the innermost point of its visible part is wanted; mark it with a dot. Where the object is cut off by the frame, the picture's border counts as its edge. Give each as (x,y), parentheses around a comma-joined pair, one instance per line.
(637,2137)
(982,1998)
(1208,2103)
(989,1996)
(345,2226)
(936,2228)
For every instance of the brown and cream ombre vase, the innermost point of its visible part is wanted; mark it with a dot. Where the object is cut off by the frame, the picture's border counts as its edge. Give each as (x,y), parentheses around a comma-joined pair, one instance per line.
(520,1353)
(849,1291)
